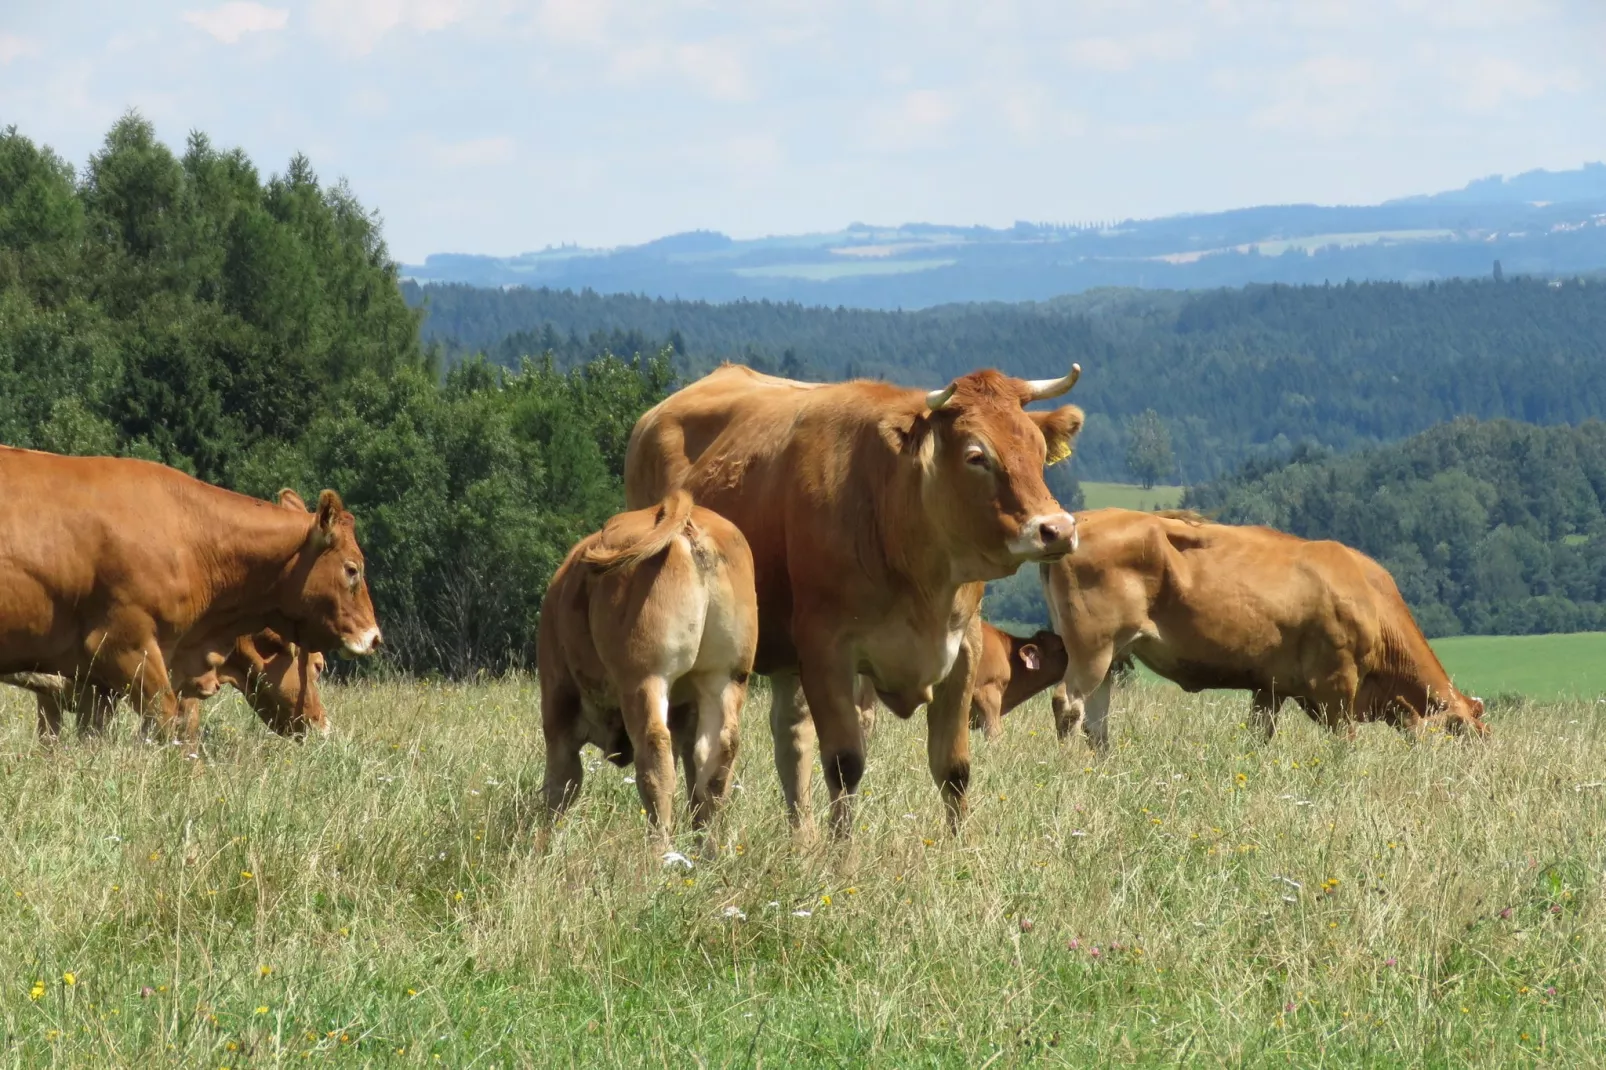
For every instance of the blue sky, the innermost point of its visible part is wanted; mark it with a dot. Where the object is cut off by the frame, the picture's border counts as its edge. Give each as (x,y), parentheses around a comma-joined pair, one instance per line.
(498,126)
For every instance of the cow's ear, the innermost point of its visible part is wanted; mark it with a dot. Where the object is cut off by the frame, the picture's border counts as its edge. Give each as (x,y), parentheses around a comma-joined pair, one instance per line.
(1060,428)
(1031,657)
(291,500)
(330,510)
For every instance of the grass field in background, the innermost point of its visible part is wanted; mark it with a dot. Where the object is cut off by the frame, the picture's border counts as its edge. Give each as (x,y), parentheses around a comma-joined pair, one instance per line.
(1537,666)
(1130,496)
(1194,897)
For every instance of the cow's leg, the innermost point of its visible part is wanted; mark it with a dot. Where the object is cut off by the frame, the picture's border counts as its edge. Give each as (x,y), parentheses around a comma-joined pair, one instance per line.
(1095,715)
(189,716)
(95,710)
(829,690)
(560,725)
(865,697)
(141,673)
(793,730)
(987,711)
(719,711)
(1066,713)
(1087,689)
(948,728)
(1264,705)
(646,713)
(48,714)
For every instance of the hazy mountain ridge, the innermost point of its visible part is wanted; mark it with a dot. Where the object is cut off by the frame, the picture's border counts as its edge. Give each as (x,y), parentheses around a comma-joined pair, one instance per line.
(1540,222)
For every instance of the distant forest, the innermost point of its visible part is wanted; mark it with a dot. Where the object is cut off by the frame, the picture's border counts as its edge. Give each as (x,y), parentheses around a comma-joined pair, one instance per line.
(1234,375)
(1488,527)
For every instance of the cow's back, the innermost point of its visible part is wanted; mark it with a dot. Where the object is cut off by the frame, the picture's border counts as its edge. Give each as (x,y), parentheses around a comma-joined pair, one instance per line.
(777,459)
(79,534)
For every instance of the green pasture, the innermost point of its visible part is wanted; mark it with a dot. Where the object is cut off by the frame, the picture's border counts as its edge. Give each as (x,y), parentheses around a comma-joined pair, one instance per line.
(1130,496)
(1195,897)
(1536,666)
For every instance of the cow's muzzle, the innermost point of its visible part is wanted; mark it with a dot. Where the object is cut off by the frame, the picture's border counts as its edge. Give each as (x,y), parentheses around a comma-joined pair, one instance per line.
(367,643)
(1046,538)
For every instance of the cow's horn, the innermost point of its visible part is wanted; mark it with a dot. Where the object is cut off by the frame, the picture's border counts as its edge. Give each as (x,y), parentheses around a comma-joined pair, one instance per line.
(938,398)
(1043,389)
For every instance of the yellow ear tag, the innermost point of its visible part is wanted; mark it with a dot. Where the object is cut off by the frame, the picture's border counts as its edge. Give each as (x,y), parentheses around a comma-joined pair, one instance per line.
(1059,452)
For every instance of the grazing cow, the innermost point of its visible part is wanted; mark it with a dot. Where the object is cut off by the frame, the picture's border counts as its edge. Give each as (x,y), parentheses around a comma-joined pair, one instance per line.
(117,572)
(875,514)
(648,631)
(279,681)
(1215,606)
(1010,671)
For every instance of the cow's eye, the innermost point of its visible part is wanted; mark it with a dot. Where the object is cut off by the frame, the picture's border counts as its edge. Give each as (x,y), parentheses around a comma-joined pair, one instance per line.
(977,456)
(353,573)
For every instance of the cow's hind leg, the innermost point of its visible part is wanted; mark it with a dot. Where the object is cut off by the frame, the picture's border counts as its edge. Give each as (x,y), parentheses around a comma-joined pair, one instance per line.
(560,725)
(95,710)
(1096,715)
(1264,705)
(793,731)
(1066,715)
(646,712)
(719,711)
(836,723)
(48,714)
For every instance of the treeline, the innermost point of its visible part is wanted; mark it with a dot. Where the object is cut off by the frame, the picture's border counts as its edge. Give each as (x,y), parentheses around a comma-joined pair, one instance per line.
(1488,527)
(181,308)
(1234,375)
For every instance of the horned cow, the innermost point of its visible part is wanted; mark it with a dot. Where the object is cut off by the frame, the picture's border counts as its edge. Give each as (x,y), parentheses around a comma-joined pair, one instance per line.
(875,514)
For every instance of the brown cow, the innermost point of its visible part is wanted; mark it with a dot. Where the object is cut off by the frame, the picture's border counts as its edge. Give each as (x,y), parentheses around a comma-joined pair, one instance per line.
(1011,670)
(1214,606)
(875,513)
(648,631)
(279,681)
(116,572)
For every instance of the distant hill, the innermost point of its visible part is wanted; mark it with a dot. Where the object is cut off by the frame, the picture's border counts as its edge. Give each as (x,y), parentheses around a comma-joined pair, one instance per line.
(1233,374)
(1540,223)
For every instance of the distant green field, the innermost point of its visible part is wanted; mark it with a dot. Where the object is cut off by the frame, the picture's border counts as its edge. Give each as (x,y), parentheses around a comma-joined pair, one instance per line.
(1541,667)
(1130,496)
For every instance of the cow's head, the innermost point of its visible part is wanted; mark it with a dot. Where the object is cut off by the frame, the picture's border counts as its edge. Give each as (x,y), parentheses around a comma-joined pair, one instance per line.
(984,456)
(328,599)
(1035,664)
(280,682)
(1464,716)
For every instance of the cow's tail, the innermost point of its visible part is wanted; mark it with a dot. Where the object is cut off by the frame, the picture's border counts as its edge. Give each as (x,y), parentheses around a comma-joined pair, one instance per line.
(673,514)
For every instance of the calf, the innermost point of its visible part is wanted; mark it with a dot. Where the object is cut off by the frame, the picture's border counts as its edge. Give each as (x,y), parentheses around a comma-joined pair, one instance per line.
(279,681)
(648,632)
(1214,606)
(1010,671)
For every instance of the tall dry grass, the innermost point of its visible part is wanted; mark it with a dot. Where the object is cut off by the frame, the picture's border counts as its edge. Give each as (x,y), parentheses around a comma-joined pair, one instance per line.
(1194,897)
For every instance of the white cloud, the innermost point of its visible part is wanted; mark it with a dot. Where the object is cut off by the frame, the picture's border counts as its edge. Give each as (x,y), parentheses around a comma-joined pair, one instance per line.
(359,24)
(714,68)
(916,119)
(1491,82)
(1325,96)
(233,20)
(475,152)
(1116,54)
(574,20)
(13,47)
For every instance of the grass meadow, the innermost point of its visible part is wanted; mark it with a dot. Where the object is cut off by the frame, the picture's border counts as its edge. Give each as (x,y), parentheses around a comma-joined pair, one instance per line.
(1537,666)
(1130,496)
(1195,897)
